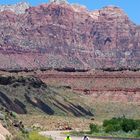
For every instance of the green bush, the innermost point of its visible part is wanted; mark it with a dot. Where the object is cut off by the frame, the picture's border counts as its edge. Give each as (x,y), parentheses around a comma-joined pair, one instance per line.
(112,128)
(129,125)
(94,128)
(119,124)
(112,121)
(138,132)
(138,123)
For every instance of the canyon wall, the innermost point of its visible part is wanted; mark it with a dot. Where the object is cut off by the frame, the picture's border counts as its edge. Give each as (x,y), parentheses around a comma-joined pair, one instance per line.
(60,35)
(99,85)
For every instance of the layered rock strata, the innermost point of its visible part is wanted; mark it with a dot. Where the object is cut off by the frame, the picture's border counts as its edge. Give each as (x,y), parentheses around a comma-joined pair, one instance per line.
(60,35)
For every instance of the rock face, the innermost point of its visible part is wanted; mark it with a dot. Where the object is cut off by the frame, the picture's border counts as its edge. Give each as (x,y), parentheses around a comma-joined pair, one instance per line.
(62,35)
(30,94)
(98,85)
(17,8)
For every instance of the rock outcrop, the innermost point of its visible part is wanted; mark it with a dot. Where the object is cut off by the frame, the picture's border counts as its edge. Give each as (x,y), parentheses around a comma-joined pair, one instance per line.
(26,94)
(98,85)
(16,8)
(3,133)
(61,35)
(58,1)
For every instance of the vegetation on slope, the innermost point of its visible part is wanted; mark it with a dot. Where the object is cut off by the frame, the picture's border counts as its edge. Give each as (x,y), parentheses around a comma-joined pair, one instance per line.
(29,94)
(29,136)
(121,127)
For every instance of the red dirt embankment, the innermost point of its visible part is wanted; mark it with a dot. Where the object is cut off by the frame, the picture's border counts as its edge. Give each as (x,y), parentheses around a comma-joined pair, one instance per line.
(106,86)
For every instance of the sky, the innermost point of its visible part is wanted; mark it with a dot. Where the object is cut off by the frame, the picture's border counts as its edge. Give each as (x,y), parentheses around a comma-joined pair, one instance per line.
(131,7)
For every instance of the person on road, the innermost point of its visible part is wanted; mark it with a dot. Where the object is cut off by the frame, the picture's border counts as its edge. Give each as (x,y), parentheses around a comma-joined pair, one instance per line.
(68,137)
(85,138)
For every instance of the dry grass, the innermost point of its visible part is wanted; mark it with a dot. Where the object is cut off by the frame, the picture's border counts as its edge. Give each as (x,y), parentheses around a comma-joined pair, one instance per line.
(102,111)
(44,122)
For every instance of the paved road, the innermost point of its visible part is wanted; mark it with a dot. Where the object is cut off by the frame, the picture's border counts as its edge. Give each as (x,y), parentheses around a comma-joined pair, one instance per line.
(57,135)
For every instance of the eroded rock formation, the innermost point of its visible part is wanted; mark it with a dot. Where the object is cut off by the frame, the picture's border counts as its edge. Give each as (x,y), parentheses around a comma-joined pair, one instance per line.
(98,85)
(62,35)
(16,8)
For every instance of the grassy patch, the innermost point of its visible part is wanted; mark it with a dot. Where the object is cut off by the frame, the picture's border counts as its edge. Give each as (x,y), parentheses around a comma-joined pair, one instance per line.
(37,136)
(29,136)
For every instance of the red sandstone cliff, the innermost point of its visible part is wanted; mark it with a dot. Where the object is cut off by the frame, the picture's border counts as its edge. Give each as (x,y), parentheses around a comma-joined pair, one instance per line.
(63,35)
(98,85)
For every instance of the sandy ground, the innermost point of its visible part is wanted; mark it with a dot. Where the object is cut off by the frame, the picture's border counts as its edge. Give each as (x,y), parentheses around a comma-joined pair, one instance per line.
(57,135)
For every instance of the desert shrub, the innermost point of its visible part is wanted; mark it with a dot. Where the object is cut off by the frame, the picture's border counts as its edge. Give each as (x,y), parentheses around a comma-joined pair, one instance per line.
(119,124)
(138,123)
(16,85)
(138,132)
(112,128)
(94,128)
(129,125)
(112,121)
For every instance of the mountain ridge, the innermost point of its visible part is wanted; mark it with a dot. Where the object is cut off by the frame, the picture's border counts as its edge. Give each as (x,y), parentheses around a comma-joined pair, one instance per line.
(18,8)
(62,35)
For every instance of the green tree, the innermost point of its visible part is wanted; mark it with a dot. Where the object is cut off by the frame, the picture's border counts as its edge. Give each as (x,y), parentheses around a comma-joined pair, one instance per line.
(94,128)
(129,125)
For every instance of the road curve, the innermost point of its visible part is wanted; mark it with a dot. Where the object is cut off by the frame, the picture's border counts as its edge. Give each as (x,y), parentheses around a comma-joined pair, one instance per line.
(57,135)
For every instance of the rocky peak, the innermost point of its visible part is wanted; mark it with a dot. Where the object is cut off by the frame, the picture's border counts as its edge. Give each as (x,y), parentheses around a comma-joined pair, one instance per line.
(79,8)
(112,9)
(113,12)
(16,8)
(58,1)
